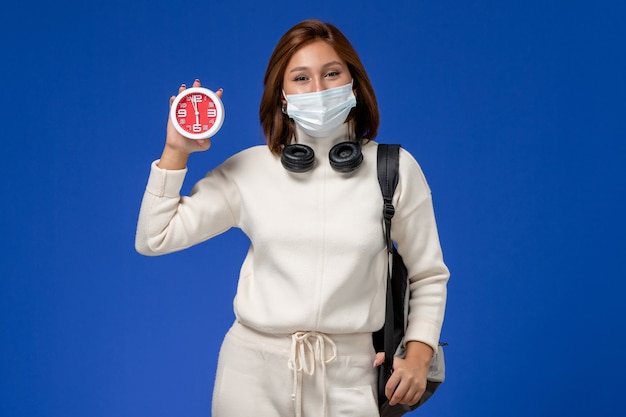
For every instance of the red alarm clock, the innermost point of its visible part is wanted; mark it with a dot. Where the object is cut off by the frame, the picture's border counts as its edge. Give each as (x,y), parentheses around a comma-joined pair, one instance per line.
(197,113)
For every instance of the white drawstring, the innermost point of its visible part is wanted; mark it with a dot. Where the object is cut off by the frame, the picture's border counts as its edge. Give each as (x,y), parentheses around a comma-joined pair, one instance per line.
(306,349)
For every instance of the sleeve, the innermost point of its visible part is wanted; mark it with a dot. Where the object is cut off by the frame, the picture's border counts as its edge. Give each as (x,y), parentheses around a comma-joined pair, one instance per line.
(415,232)
(169,222)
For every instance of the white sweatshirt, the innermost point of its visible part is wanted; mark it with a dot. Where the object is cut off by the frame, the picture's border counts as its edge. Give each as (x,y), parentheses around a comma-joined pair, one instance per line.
(317,259)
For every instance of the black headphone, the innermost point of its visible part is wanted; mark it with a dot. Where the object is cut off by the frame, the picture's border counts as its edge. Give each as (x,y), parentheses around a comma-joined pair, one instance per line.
(344,157)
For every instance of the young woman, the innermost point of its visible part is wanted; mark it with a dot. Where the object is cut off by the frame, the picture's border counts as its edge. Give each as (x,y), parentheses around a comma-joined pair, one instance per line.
(312,286)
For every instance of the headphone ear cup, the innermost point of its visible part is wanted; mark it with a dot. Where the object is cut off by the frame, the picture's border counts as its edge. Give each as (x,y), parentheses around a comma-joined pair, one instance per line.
(297,158)
(345,156)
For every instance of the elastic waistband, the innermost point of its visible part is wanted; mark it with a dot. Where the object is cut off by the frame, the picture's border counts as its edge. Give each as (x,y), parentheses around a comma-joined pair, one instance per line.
(347,343)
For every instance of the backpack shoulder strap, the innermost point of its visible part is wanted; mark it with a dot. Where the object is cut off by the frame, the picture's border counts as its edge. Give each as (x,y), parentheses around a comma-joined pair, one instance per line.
(388,158)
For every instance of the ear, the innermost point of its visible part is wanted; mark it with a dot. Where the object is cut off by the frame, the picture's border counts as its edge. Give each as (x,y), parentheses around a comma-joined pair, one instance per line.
(354,87)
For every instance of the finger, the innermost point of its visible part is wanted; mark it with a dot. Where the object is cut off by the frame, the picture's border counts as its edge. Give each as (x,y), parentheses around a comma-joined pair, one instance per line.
(219,92)
(204,144)
(416,398)
(182,88)
(379,359)
(391,387)
(407,393)
(196,83)
(412,396)
(398,395)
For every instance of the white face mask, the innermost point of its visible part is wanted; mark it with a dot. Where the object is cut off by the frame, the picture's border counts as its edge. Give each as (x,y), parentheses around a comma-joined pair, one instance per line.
(321,112)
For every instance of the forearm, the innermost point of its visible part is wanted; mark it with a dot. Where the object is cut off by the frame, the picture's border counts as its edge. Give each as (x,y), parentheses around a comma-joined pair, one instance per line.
(418,353)
(173,159)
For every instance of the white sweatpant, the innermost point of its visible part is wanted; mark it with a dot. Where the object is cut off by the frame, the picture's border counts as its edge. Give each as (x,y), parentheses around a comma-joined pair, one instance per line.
(307,374)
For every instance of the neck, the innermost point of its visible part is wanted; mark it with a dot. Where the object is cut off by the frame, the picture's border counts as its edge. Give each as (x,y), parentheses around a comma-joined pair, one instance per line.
(324,144)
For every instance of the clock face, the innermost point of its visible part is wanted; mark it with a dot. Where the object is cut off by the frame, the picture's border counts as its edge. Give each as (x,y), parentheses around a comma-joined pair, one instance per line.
(197,113)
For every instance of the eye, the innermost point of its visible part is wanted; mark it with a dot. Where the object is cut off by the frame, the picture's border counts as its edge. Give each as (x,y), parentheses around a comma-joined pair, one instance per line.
(300,78)
(332,74)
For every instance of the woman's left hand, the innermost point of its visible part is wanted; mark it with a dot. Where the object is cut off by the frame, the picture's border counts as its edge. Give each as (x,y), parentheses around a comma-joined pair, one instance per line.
(407,383)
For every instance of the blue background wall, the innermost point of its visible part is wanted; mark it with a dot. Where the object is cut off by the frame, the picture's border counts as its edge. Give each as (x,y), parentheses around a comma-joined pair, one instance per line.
(515,110)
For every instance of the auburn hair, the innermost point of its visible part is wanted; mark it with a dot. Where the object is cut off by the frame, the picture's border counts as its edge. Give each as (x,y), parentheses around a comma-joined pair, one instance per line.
(278,128)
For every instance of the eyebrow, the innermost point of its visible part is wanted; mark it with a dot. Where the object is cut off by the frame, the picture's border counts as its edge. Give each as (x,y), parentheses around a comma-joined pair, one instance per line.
(328,64)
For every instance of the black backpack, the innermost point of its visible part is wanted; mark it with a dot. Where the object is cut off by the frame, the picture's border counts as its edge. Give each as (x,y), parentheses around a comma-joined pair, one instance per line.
(389,338)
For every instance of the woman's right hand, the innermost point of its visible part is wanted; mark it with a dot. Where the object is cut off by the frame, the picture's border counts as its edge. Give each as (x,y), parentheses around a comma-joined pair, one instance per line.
(177,147)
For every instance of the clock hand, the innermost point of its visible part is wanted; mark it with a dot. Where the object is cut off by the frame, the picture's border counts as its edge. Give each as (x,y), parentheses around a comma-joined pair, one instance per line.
(195,107)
